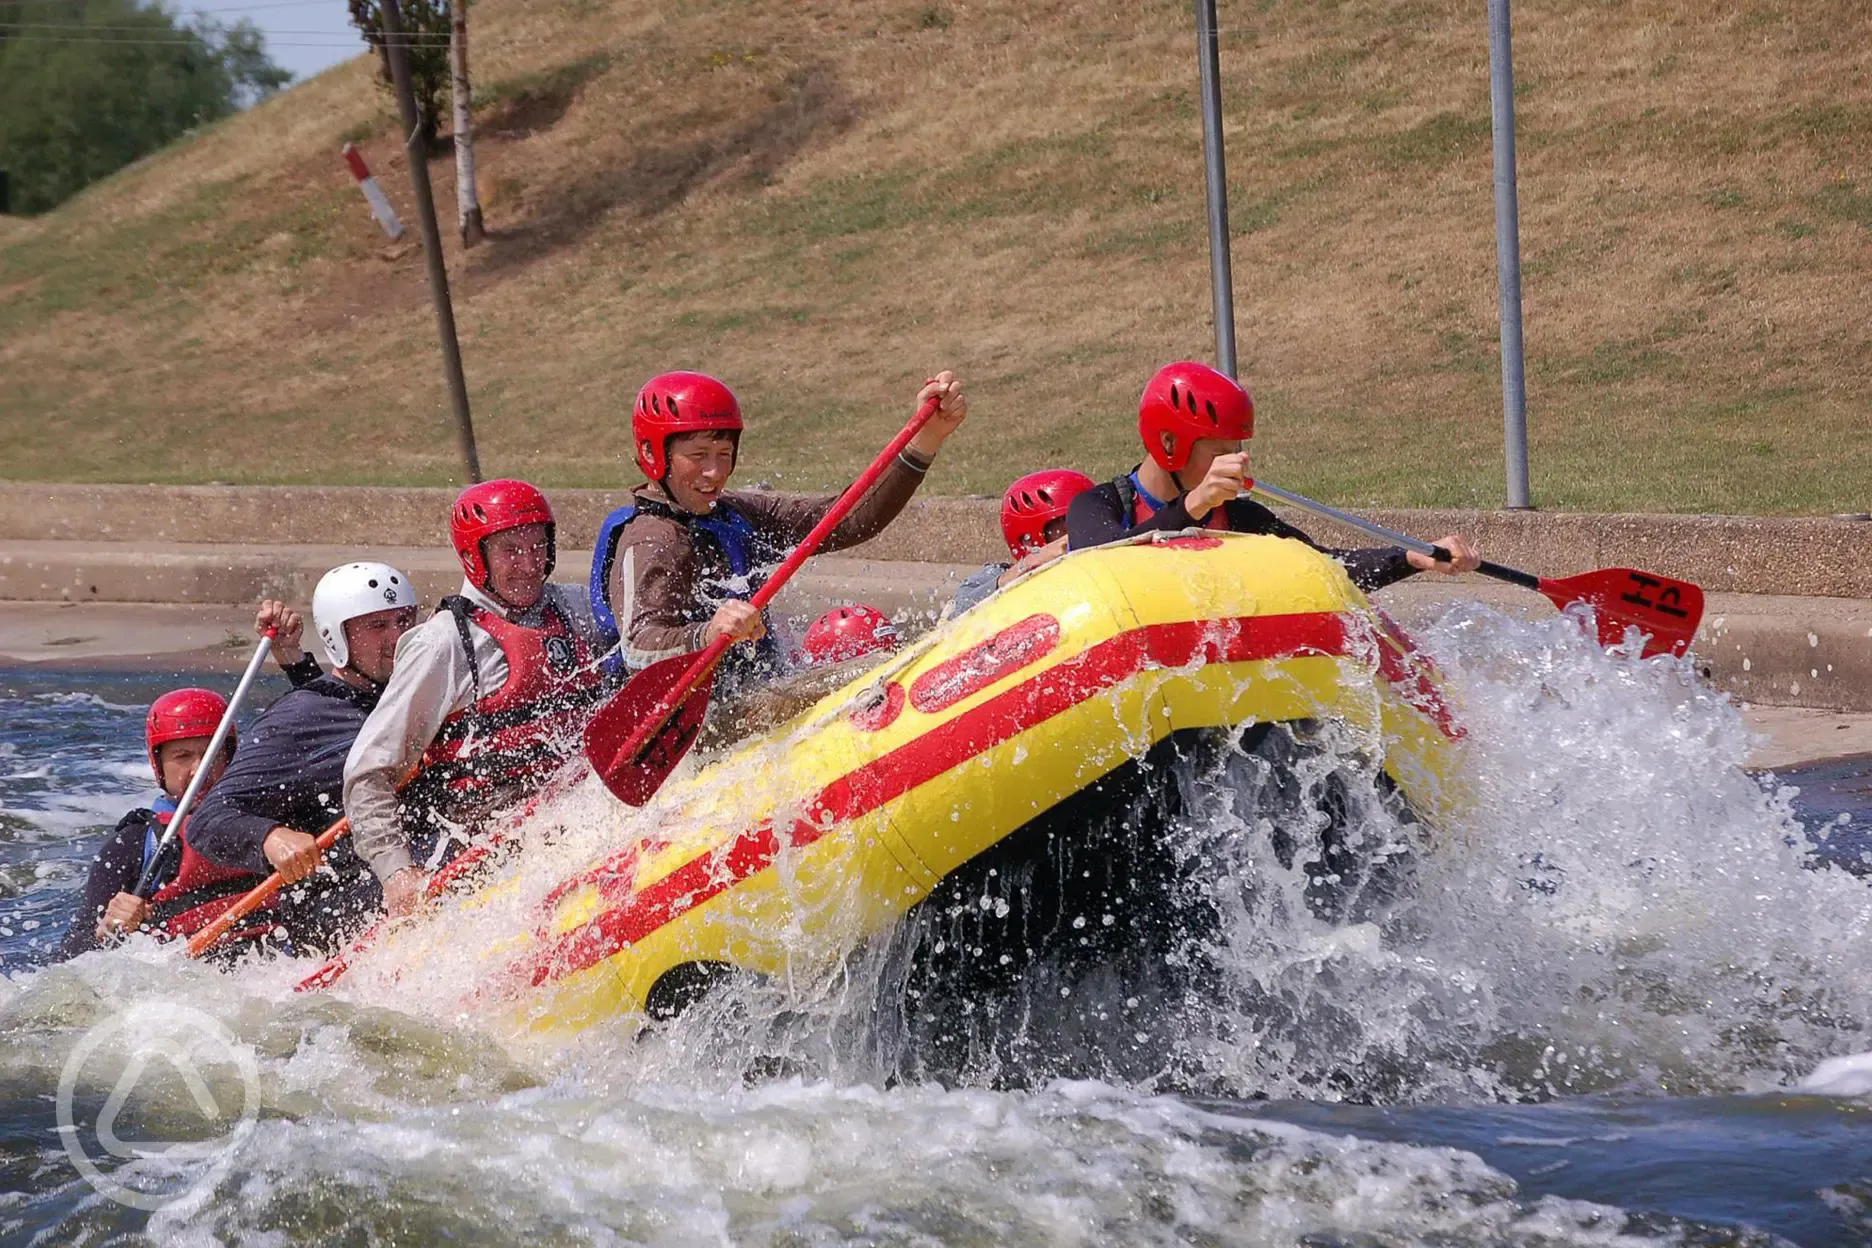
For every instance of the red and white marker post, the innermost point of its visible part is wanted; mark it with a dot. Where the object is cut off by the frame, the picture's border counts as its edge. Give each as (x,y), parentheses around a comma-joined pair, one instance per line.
(379,202)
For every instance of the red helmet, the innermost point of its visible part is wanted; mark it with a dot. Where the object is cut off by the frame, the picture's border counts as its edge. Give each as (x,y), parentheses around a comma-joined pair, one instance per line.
(1186,401)
(673,403)
(848,633)
(1035,501)
(494,507)
(184,713)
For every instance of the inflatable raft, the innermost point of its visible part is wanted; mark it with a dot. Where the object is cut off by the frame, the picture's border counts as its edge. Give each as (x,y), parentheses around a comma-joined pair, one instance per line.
(792,849)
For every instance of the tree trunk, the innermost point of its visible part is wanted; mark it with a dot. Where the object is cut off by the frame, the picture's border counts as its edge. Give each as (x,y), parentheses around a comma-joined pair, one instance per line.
(467,203)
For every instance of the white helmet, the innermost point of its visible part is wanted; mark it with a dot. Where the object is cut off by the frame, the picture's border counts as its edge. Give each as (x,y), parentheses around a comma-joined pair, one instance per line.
(351,590)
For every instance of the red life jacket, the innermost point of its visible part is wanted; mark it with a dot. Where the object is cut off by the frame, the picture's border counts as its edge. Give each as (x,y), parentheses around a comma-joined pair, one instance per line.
(200,892)
(505,746)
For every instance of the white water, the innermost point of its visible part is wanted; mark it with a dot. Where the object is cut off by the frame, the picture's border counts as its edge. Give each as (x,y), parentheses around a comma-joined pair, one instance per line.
(1618,910)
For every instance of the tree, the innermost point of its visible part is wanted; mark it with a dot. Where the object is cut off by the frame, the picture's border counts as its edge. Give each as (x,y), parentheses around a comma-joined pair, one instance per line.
(88,86)
(426,25)
(243,53)
(467,200)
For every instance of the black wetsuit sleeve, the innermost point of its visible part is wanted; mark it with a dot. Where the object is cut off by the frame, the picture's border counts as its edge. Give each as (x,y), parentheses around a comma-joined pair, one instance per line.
(1370,569)
(115,870)
(304,672)
(222,832)
(1097,517)
(288,772)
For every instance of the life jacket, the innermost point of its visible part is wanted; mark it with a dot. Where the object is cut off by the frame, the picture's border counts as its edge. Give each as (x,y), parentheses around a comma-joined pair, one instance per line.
(732,532)
(505,745)
(1140,505)
(200,890)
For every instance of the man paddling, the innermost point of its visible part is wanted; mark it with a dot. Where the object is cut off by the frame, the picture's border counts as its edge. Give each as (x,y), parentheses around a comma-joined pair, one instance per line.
(286,784)
(1194,421)
(487,698)
(673,569)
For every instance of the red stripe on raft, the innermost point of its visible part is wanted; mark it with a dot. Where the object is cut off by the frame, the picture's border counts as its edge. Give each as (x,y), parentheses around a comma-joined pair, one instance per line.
(997,720)
(1413,674)
(1014,647)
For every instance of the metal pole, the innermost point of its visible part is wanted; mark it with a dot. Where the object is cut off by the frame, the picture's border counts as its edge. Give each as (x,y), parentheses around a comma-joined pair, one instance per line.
(398,48)
(1508,256)
(1220,279)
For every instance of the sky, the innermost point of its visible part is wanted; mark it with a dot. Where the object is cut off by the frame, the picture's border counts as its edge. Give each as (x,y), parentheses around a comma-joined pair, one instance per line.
(303,36)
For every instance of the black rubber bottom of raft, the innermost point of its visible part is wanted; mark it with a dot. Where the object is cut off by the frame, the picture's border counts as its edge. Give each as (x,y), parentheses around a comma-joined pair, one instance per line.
(1085,943)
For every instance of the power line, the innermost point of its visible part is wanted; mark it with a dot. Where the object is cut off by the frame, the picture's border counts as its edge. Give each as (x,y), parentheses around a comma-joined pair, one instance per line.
(185,38)
(407,37)
(360,45)
(232,8)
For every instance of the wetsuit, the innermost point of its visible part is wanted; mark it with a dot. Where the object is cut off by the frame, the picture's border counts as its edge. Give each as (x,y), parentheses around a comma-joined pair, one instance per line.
(118,864)
(289,772)
(1122,508)
(116,869)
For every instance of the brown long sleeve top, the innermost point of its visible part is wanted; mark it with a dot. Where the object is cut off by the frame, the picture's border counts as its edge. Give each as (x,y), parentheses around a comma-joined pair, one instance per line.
(669,577)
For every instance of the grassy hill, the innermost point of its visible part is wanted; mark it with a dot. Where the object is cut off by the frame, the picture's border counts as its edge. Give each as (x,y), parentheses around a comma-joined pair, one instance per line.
(823,200)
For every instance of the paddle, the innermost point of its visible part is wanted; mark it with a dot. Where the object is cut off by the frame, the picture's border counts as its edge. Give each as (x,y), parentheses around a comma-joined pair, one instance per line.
(637,738)
(441,880)
(146,884)
(1664,609)
(201,942)
(334,967)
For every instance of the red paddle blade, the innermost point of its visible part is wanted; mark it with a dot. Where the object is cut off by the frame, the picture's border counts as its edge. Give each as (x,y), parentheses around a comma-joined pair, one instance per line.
(1666,610)
(636,739)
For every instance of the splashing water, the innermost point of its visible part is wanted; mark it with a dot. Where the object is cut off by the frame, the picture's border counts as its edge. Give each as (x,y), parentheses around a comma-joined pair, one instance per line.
(1621,908)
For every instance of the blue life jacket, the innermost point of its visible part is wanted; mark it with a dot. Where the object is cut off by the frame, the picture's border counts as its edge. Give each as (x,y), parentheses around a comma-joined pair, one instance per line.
(164,807)
(731,530)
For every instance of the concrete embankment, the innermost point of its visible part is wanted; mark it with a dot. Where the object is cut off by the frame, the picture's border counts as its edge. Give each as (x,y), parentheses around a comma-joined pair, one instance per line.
(1789,619)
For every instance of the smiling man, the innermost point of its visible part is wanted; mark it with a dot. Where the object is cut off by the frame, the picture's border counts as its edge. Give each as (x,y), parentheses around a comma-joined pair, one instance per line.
(488,698)
(285,784)
(673,569)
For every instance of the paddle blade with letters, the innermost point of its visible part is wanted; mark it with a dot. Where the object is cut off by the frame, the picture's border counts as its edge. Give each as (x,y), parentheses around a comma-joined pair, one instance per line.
(1666,610)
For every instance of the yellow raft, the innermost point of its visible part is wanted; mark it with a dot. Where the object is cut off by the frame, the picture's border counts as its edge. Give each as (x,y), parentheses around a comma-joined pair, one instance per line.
(790,850)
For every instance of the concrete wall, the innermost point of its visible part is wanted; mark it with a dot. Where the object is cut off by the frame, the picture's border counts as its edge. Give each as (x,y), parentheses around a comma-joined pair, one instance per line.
(1725,554)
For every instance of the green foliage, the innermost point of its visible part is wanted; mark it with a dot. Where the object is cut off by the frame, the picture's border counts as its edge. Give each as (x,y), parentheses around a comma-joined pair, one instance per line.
(426,24)
(86,87)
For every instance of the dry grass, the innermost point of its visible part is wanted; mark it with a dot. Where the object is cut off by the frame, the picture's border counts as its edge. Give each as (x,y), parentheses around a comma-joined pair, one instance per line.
(822,202)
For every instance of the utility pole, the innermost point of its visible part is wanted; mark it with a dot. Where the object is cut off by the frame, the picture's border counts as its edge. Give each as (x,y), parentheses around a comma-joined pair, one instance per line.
(1221,280)
(397,46)
(1508,257)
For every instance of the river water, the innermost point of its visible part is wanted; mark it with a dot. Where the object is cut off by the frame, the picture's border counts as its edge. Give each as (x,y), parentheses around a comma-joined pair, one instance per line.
(1588,1022)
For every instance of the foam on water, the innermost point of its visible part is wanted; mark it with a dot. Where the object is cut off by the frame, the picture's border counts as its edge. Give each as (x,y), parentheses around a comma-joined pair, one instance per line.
(377,1127)
(1620,906)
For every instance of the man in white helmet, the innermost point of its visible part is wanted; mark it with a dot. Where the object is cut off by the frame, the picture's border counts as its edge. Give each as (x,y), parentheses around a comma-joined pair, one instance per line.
(286,784)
